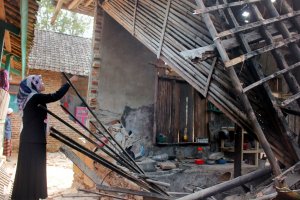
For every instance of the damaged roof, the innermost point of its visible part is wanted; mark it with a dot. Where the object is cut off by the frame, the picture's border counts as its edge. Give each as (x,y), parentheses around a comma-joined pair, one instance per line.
(60,52)
(224,47)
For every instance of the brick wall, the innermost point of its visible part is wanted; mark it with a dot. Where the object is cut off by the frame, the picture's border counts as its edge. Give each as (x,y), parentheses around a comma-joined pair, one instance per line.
(95,70)
(53,81)
(94,77)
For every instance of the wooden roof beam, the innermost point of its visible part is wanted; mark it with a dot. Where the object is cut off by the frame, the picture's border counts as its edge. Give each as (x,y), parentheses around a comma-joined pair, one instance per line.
(74,4)
(88,3)
(12,70)
(6,35)
(57,10)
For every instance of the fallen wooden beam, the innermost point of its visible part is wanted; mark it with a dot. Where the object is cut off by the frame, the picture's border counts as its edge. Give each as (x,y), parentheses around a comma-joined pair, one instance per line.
(237,88)
(262,50)
(99,194)
(227,185)
(129,191)
(249,87)
(80,164)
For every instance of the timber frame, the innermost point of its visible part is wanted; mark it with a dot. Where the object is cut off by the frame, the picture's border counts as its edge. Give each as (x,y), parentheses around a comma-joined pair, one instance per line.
(229,73)
(17,19)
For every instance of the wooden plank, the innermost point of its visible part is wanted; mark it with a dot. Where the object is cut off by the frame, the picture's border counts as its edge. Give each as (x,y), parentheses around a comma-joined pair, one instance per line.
(80,164)
(209,76)
(163,28)
(238,141)
(253,85)
(175,112)
(182,110)
(221,6)
(257,24)
(290,99)
(155,117)
(129,191)
(262,50)
(7,43)
(190,119)
(10,27)
(169,92)
(74,4)
(200,116)
(88,3)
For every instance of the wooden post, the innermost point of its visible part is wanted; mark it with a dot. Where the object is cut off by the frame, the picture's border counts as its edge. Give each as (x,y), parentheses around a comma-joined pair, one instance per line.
(2,32)
(238,89)
(238,152)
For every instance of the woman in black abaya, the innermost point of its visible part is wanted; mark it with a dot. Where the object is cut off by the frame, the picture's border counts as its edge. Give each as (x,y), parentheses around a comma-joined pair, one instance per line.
(30,180)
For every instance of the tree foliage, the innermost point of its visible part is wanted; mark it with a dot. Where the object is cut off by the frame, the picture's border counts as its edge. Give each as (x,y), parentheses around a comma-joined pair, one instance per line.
(66,21)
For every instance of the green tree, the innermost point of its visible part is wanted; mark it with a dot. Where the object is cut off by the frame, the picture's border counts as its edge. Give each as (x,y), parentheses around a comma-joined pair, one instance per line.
(66,21)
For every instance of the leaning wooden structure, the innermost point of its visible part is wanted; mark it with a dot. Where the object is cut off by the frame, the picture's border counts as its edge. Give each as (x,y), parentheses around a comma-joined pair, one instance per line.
(211,48)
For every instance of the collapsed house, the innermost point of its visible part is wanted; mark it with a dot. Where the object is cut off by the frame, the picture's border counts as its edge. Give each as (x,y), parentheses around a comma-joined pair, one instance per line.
(241,56)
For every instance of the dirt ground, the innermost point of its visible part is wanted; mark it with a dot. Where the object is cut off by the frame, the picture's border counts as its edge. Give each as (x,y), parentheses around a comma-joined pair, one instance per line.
(59,177)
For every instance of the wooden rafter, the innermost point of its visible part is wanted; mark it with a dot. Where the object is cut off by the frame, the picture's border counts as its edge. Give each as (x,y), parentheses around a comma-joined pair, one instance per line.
(258,24)
(278,56)
(74,4)
(262,50)
(7,34)
(238,89)
(256,69)
(164,28)
(88,3)
(225,5)
(57,10)
(290,100)
(253,85)
(210,75)
(136,3)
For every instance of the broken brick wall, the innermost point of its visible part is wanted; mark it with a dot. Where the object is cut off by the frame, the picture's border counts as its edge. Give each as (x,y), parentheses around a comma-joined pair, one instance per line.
(53,81)
(127,81)
(118,81)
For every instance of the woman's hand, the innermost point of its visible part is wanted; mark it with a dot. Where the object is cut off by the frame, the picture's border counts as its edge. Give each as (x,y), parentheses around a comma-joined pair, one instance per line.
(74,79)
